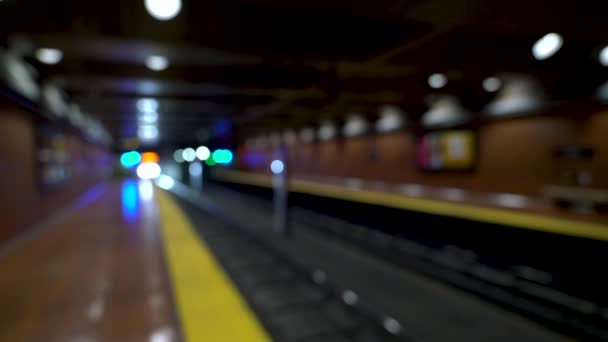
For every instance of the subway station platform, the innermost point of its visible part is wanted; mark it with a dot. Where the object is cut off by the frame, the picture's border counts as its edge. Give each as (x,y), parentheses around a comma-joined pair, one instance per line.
(128,261)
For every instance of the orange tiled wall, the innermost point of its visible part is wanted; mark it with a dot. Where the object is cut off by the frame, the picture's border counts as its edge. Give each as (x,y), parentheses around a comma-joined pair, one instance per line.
(514,156)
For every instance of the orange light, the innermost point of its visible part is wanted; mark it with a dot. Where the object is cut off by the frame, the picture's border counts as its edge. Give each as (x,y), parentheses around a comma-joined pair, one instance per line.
(149,157)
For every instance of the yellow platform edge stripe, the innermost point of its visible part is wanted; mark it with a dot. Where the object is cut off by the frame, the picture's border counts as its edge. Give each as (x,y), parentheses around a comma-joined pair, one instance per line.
(209,306)
(529,221)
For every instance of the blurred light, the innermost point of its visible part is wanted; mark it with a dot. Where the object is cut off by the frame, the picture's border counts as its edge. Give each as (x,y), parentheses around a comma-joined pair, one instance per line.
(349,297)
(391,325)
(547,46)
(210,161)
(222,156)
(146,190)
(147,105)
(307,134)
(130,159)
(391,118)
(511,200)
(148,117)
(166,182)
(327,131)
(147,132)
(319,276)
(195,169)
(157,63)
(148,171)
(163,9)
(49,56)
(604,56)
(203,153)
(178,156)
(438,81)
(491,84)
(277,167)
(189,154)
(355,125)
(150,157)
(129,201)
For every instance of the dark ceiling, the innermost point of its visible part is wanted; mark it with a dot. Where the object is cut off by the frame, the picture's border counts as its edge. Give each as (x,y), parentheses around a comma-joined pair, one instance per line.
(270,63)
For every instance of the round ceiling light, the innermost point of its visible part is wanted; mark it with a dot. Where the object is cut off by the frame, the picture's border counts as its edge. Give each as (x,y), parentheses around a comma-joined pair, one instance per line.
(147,105)
(163,9)
(547,46)
(491,84)
(604,56)
(49,56)
(437,80)
(157,63)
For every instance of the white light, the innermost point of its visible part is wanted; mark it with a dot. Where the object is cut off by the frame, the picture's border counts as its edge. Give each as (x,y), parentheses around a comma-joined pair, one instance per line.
(604,56)
(189,154)
(49,56)
(163,9)
(547,46)
(349,297)
(178,155)
(491,84)
(166,182)
(203,153)
(438,81)
(147,105)
(147,132)
(146,190)
(195,169)
(391,325)
(157,63)
(277,167)
(512,200)
(148,117)
(148,170)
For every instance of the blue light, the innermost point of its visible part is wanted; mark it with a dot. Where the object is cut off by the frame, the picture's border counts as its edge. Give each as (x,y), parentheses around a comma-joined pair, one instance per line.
(227,157)
(130,159)
(129,200)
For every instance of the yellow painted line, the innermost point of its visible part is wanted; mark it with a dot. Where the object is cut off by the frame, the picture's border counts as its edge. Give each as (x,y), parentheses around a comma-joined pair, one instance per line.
(536,222)
(210,308)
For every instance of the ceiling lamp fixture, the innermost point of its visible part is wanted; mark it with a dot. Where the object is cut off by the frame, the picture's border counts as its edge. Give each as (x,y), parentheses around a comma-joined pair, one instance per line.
(163,9)
(547,46)
(157,63)
(437,80)
(604,56)
(147,105)
(491,84)
(49,56)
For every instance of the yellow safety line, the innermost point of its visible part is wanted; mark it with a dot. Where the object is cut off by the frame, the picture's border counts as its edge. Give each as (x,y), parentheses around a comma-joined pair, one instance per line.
(587,230)
(210,308)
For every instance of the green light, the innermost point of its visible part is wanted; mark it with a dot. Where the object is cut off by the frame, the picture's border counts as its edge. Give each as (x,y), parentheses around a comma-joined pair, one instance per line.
(210,162)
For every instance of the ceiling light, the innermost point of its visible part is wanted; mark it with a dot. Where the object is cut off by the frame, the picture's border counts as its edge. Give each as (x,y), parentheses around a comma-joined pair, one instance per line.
(604,56)
(491,84)
(148,171)
(163,9)
(189,154)
(49,56)
(147,105)
(178,155)
(157,63)
(203,153)
(148,117)
(437,81)
(148,132)
(547,46)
